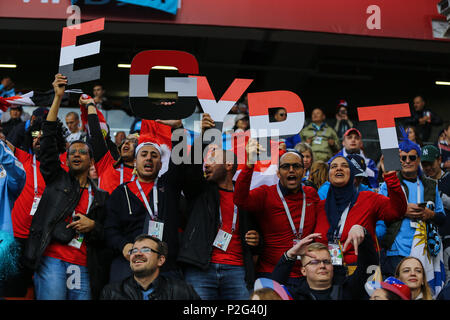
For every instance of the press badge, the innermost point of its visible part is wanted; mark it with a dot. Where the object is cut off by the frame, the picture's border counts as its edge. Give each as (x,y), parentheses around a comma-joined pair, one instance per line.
(317,140)
(35,205)
(77,241)
(222,240)
(155,229)
(336,254)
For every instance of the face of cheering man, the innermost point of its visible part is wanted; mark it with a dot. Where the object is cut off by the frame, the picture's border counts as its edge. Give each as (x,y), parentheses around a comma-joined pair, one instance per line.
(148,163)
(290,171)
(36,135)
(217,166)
(79,160)
(339,172)
(127,148)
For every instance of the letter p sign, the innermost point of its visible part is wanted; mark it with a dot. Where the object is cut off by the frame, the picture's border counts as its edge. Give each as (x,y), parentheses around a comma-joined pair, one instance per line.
(185,87)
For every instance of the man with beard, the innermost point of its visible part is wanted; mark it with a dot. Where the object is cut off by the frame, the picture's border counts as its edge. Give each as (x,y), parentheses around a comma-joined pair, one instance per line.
(111,172)
(147,256)
(286,212)
(65,243)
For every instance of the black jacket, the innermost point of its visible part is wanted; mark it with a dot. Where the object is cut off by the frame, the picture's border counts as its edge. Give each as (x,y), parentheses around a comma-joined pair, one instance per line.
(60,197)
(343,288)
(122,227)
(164,289)
(202,227)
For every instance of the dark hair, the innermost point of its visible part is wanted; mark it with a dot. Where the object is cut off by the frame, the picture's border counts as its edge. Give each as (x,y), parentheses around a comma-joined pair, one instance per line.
(163,249)
(91,153)
(391,295)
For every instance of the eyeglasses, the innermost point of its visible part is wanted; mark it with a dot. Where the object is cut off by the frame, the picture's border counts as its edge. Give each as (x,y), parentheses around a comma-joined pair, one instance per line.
(282,114)
(142,250)
(36,133)
(315,262)
(287,166)
(411,157)
(80,151)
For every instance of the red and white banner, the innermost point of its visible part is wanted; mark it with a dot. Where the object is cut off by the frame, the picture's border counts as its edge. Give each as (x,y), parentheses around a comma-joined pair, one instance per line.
(376,18)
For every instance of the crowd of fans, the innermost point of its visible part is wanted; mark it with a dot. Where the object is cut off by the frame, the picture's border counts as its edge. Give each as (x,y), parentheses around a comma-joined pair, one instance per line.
(84,217)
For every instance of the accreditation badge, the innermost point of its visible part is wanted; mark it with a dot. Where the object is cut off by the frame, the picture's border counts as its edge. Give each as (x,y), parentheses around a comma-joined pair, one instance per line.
(337,258)
(222,240)
(35,205)
(77,241)
(155,229)
(317,140)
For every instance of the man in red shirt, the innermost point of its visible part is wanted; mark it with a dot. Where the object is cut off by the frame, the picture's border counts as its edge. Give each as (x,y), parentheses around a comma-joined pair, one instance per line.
(65,243)
(281,210)
(26,204)
(219,239)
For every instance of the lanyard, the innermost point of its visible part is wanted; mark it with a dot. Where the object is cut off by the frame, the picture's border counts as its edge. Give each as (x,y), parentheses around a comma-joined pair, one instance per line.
(155,199)
(35,176)
(317,131)
(233,226)
(121,174)
(288,213)
(342,223)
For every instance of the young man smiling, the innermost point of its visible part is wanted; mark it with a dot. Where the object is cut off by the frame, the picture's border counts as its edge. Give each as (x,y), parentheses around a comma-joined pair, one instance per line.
(147,256)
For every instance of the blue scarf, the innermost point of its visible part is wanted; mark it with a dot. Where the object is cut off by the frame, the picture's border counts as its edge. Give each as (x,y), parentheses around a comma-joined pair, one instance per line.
(338,198)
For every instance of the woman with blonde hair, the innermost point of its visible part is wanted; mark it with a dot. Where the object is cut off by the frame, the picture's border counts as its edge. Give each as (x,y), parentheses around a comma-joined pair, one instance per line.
(318,174)
(410,271)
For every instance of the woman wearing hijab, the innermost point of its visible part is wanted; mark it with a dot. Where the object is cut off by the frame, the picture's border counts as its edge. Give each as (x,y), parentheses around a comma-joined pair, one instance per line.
(349,214)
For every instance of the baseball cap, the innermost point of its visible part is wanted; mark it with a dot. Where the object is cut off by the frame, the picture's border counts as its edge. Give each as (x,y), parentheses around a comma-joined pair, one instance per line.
(352,130)
(359,163)
(391,284)
(429,153)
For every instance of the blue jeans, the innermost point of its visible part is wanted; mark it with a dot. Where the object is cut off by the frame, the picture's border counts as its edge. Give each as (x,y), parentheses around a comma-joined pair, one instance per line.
(219,282)
(59,280)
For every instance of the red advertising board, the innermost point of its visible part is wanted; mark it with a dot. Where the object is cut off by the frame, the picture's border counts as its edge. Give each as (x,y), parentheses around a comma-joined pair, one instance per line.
(379,18)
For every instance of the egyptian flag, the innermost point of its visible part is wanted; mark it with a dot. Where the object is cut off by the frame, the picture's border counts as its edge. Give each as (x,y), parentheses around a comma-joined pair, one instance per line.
(23,100)
(101,118)
(161,135)
(264,171)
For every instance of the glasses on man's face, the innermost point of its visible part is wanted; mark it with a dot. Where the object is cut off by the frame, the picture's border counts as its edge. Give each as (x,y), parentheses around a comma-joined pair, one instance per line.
(142,250)
(316,262)
(80,151)
(411,157)
(287,166)
(282,114)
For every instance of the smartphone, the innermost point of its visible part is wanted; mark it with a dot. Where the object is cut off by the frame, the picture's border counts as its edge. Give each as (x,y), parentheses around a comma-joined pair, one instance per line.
(422,205)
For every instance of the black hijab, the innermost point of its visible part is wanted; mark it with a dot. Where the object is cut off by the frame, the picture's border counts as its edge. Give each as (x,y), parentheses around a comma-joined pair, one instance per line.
(338,198)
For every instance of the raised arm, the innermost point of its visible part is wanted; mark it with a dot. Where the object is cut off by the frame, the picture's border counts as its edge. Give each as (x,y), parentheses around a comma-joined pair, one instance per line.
(392,207)
(50,163)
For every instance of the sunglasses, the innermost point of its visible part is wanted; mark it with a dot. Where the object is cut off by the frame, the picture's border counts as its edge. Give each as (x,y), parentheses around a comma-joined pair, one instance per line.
(287,166)
(142,250)
(80,151)
(411,157)
(315,262)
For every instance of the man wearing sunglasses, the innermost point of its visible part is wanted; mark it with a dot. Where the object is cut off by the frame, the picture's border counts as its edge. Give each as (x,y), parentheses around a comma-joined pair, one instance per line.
(322,280)
(286,212)
(65,244)
(147,255)
(424,205)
